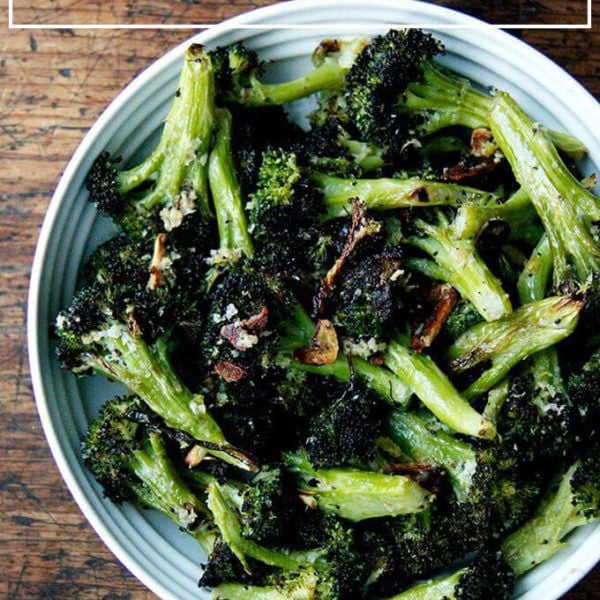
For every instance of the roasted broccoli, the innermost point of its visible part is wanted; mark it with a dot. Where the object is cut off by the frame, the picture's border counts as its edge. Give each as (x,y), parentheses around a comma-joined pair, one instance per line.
(356,494)
(168,190)
(499,345)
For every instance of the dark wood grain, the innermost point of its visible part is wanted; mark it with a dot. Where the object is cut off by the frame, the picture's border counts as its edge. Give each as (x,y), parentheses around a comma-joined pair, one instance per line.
(53,84)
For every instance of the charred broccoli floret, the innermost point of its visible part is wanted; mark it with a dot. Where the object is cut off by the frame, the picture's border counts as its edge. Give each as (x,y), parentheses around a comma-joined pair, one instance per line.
(97,336)
(573,500)
(283,215)
(378,76)
(490,481)
(128,456)
(344,430)
(170,186)
(368,294)
(486,575)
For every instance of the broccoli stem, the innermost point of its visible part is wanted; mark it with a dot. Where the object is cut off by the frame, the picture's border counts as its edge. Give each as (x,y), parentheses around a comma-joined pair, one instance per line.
(449,100)
(164,490)
(517,211)
(541,537)
(180,156)
(435,390)
(147,372)
(229,526)
(329,75)
(445,99)
(536,274)
(357,495)
(390,194)
(422,443)
(564,206)
(545,365)
(441,587)
(299,333)
(459,264)
(507,341)
(226,191)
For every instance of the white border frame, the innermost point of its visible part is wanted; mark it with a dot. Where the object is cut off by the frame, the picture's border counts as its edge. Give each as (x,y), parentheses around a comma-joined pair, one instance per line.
(331,26)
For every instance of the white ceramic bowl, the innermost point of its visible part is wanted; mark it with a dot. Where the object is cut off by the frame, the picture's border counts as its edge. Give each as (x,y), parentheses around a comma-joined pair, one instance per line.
(149,546)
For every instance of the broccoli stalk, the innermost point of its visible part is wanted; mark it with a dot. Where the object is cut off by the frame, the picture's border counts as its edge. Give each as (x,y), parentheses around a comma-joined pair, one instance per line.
(574,502)
(354,494)
(234,239)
(424,443)
(565,207)
(555,410)
(230,528)
(299,331)
(93,338)
(443,99)
(130,461)
(171,183)
(458,263)
(389,194)
(239,71)
(507,341)
(517,211)
(435,390)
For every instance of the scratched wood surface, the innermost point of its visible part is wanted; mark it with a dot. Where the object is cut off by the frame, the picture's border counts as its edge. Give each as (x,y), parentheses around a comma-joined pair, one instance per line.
(53,84)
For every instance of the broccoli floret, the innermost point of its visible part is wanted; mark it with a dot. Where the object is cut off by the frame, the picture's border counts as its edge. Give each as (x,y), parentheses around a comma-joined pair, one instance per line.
(438,98)
(367,297)
(344,430)
(543,175)
(458,263)
(379,74)
(256,130)
(502,344)
(239,72)
(410,547)
(488,480)
(463,317)
(283,215)
(573,500)
(129,459)
(583,385)
(487,575)
(538,417)
(329,148)
(97,336)
(228,523)
(337,574)
(234,239)
(355,494)
(170,186)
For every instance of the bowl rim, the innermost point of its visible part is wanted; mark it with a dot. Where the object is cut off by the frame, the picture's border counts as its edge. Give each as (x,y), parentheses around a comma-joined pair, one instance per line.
(249,20)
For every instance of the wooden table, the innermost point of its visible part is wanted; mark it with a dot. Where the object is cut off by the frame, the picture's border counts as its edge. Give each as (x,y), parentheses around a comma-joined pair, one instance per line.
(53,85)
